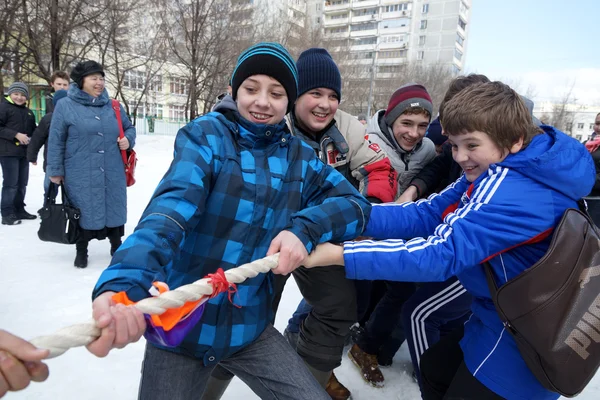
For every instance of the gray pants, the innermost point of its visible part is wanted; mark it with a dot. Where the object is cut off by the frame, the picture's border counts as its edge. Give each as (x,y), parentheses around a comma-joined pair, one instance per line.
(269,366)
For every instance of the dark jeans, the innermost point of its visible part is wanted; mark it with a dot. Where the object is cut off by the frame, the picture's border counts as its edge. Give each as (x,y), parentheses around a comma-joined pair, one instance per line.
(368,294)
(333,301)
(269,366)
(15,173)
(445,376)
(386,316)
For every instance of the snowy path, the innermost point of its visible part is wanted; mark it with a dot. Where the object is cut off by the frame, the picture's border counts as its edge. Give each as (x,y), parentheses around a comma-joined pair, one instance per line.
(42,292)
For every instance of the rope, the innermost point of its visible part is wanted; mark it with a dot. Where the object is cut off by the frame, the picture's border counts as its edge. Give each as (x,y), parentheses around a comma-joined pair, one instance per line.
(85,333)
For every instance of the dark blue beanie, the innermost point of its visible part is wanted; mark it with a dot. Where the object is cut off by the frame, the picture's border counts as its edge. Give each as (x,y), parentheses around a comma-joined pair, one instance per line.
(59,94)
(316,69)
(434,132)
(271,59)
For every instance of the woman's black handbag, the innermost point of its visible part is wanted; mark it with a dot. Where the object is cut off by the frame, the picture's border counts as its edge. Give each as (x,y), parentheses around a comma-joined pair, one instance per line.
(60,222)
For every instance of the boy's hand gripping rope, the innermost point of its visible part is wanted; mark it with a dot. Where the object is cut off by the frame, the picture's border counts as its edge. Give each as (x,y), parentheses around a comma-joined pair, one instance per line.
(85,333)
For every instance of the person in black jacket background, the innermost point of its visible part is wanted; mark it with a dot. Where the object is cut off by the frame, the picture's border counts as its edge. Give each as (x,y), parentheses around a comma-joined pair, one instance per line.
(40,138)
(17,124)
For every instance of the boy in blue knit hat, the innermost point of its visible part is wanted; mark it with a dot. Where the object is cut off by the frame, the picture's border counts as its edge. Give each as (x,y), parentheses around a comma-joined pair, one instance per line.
(240,188)
(338,139)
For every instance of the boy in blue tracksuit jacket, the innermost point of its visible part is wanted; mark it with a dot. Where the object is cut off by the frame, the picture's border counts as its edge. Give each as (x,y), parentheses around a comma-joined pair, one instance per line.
(518,182)
(237,180)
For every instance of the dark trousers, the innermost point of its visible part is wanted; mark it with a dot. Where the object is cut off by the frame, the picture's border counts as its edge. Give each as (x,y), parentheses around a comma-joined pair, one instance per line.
(386,316)
(15,173)
(435,310)
(444,374)
(333,301)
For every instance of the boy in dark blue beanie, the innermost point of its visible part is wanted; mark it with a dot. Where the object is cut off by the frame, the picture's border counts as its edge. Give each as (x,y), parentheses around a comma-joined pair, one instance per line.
(339,140)
(240,187)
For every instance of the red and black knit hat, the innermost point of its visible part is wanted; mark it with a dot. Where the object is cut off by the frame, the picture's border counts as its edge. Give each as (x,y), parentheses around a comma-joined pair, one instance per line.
(407,96)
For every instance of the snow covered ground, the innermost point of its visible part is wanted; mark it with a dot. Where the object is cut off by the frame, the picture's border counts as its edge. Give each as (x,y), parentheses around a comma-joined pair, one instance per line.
(43,292)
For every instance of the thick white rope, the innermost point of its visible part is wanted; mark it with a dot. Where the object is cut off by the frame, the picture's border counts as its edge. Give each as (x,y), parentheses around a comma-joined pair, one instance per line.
(85,333)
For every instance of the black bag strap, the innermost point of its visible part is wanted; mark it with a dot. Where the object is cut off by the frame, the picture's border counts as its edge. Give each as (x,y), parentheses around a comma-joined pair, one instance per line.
(51,194)
(491,281)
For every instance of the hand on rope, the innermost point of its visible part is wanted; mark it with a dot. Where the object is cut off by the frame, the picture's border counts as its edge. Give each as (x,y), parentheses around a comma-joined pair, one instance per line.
(114,326)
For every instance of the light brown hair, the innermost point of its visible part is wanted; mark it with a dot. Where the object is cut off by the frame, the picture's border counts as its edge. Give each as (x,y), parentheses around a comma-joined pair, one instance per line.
(59,74)
(416,111)
(458,84)
(493,108)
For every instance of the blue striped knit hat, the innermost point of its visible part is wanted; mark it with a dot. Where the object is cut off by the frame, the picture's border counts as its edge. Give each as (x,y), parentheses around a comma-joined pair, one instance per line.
(271,59)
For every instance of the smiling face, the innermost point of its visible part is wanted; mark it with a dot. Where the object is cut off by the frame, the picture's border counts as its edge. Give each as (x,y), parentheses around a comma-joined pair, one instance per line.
(476,151)
(18,98)
(316,108)
(262,100)
(597,125)
(410,129)
(93,84)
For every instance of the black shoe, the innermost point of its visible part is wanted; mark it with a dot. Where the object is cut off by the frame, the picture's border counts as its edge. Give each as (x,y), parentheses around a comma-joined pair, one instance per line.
(81,260)
(11,220)
(114,247)
(25,215)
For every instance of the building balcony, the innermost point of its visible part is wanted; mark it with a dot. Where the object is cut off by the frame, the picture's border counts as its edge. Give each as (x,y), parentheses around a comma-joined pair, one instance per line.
(395,15)
(358,4)
(365,18)
(389,2)
(336,35)
(335,22)
(338,7)
(369,32)
(393,45)
(363,47)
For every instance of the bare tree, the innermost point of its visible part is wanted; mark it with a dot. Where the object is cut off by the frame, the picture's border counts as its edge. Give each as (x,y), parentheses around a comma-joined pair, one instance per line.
(563,113)
(54,33)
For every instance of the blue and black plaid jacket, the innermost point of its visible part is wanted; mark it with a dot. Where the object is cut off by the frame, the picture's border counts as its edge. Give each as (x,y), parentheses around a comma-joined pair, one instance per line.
(231,188)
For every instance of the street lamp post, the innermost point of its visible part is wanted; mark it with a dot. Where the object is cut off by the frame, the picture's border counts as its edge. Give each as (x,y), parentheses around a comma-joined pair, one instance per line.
(370,100)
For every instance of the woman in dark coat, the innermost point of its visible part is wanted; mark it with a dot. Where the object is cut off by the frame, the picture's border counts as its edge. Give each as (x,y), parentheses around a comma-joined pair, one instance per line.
(84,152)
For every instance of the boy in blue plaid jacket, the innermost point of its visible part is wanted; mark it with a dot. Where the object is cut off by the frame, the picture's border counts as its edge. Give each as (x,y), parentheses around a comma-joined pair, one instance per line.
(240,187)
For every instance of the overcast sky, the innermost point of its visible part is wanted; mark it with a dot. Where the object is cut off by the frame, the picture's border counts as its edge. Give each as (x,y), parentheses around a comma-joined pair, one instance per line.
(546,44)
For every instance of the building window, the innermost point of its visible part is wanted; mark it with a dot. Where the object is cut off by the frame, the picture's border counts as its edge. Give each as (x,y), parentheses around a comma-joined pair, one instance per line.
(179,86)
(156,84)
(425,9)
(341,29)
(394,23)
(392,54)
(363,55)
(458,54)
(339,16)
(366,11)
(422,40)
(591,126)
(392,39)
(462,24)
(423,24)
(363,41)
(569,126)
(177,112)
(580,125)
(455,69)
(578,137)
(318,20)
(134,80)
(395,8)
(388,69)
(363,27)
(420,55)
(459,39)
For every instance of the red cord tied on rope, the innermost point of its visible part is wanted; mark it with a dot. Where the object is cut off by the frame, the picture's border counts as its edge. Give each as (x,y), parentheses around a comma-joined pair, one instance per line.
(220,284)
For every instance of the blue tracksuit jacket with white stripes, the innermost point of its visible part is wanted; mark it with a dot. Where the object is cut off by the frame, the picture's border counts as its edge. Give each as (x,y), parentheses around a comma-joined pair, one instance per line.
(231,188)
(506,216)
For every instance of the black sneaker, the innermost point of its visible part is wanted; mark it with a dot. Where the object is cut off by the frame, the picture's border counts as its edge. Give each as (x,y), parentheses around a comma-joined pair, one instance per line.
(11,220)
(25,215)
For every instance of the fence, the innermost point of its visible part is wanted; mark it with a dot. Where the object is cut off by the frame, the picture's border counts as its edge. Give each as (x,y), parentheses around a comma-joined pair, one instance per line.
(155,126)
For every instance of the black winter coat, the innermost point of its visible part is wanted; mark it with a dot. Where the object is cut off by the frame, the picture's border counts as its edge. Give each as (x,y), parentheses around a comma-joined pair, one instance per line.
(14,119)
(438,174)
(39,139)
